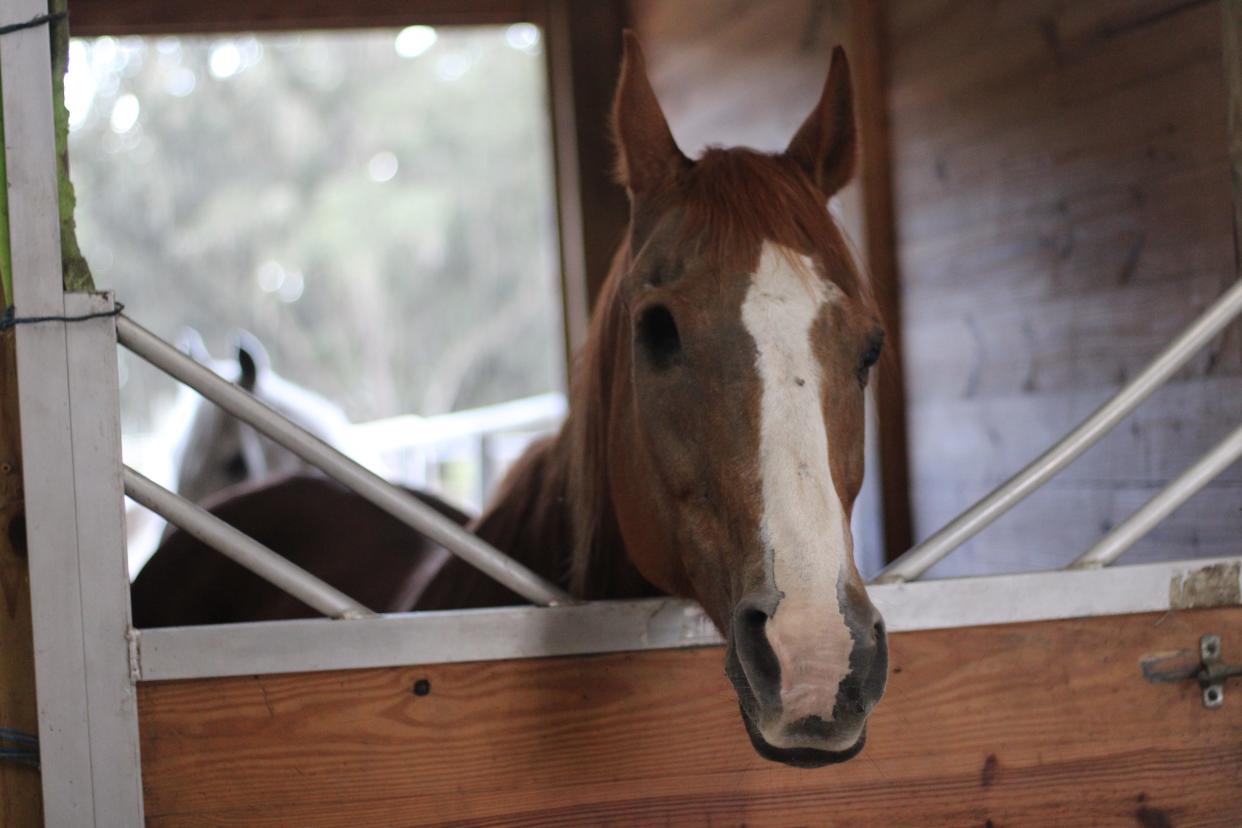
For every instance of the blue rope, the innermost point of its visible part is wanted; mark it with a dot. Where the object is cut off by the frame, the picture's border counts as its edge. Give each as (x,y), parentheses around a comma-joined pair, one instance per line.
(27,750)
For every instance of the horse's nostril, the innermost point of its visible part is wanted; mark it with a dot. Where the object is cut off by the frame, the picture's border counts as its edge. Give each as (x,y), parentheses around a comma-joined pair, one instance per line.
(755,654)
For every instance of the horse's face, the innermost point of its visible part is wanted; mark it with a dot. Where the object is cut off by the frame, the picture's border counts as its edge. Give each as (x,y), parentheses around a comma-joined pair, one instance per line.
(737,413)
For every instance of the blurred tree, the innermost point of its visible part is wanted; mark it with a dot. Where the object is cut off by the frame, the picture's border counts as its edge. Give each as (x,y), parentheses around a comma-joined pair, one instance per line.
(376,206)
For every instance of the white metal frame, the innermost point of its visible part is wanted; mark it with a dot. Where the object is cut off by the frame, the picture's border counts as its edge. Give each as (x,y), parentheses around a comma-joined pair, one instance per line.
(89,659)
(652,624)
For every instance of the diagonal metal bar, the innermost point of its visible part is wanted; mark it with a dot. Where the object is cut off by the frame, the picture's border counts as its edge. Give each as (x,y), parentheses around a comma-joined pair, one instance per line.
(399,504)
(1132,529)
(240,547)
(965,526)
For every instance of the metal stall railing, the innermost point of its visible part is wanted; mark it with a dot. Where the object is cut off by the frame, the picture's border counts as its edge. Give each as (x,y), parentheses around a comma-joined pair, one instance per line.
(316,452)
(969,523)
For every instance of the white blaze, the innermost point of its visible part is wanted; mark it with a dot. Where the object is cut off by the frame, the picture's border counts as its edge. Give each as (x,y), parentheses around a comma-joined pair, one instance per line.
(803,526)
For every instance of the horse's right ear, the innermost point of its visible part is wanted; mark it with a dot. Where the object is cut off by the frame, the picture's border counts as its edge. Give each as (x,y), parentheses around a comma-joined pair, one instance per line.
(826,145)
(647,156)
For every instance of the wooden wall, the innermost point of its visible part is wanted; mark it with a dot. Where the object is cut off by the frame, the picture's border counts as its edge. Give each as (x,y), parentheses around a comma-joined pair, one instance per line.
(1063,209)
(1043,724)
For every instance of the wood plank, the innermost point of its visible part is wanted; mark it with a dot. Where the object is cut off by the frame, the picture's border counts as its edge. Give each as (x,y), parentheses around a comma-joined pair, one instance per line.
(1027,540)
(92,18)
(870,71)
(1061,174)
(46,447)
(20,792)
(986,439)
(584,57)
(1042,724)
(1232,60)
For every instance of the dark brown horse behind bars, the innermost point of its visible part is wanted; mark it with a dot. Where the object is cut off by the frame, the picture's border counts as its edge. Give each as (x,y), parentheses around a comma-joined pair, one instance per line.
(714,445)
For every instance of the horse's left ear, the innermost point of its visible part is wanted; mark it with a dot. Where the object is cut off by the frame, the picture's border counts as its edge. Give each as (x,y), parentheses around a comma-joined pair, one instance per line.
(826,145)
(252,358)
(647,156)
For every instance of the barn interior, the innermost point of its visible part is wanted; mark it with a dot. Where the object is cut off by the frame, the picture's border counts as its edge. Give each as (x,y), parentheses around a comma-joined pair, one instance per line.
(1046,196)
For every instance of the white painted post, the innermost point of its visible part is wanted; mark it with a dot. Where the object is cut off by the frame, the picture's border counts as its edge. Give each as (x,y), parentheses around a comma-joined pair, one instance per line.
(47,463)
(71,466)
(112,700)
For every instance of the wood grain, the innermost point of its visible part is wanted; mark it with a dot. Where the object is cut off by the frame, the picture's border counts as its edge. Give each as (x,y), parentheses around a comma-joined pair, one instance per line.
(1062,182)
(120,17)
(1032,724)
(21,796)
(870,70)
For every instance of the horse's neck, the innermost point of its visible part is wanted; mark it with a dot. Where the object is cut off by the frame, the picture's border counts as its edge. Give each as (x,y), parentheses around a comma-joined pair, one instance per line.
(532,519)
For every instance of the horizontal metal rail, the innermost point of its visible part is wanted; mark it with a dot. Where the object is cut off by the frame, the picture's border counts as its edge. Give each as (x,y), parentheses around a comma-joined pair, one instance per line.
(1133,528)
(316,452)
(406,639)
(242,548)
(965,526)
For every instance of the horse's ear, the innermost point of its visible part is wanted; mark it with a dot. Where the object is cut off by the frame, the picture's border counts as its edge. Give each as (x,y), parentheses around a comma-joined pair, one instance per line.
(647,156)
(252,358)
(826,145)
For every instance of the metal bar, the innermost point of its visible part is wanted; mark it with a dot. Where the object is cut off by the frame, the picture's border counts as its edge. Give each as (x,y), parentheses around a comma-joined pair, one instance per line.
(112,698)
(310,448)
(47,453)
(966,525)
(653,624)
(1133,528)
(242,548)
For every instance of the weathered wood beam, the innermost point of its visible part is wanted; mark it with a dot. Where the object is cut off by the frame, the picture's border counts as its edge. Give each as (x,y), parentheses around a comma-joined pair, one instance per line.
(584,55)
(867,33)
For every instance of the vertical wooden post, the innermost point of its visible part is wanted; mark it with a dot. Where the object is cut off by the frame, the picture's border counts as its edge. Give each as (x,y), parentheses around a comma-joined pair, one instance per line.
(584,56)
(21,801)
(867,33)
(1232,60)
(21,793)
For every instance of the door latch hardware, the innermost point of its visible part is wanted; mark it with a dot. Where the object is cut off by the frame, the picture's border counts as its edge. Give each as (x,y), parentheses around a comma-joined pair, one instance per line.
(1213,671)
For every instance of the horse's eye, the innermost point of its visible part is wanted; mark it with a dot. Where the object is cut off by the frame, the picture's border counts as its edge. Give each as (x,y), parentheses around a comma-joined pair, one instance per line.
(657,336)
(875,344)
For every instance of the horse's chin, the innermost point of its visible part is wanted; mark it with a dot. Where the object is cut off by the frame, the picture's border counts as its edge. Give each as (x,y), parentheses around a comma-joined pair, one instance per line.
(802,757)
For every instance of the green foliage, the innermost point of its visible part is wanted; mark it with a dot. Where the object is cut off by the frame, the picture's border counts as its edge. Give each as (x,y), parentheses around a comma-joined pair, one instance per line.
(385,225)
(77,273)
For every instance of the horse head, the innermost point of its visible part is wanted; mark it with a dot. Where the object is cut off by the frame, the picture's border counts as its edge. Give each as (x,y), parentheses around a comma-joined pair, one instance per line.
(728,365)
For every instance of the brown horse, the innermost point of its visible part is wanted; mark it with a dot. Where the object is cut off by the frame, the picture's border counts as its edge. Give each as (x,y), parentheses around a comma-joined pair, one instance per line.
(714,444)
(314,522)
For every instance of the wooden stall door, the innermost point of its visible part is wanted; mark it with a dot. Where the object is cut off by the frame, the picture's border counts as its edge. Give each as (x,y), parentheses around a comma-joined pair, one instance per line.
(1039,724)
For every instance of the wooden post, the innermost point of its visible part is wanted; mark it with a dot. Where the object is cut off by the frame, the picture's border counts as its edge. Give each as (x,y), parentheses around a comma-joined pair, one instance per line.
(21,800)
(867,31)
(584,56)
(21,795)
(1232,60)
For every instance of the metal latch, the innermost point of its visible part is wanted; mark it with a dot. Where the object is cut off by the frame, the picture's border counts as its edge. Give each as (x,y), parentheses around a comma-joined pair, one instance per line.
(1213,671)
